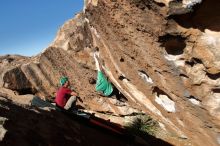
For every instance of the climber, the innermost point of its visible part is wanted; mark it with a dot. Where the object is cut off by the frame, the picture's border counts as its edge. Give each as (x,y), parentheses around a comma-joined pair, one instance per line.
(65,97)
(103,85)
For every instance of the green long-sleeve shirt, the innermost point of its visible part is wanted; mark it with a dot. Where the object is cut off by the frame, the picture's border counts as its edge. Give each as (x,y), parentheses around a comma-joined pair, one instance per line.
(103,85)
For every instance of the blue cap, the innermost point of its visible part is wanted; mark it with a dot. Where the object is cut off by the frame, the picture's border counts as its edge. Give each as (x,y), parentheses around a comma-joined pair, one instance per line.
(63,80)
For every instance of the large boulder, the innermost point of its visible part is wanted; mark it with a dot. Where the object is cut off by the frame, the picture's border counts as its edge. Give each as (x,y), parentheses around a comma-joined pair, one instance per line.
(161,55)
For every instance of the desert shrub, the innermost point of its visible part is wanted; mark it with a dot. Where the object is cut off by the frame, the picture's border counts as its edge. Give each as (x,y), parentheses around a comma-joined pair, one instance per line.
(143,125)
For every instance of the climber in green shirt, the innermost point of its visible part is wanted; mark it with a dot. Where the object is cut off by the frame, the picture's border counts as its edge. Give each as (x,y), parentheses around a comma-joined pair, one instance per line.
(102,84)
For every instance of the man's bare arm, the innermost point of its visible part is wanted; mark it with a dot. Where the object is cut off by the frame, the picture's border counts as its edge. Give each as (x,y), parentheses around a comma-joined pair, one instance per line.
(74,93)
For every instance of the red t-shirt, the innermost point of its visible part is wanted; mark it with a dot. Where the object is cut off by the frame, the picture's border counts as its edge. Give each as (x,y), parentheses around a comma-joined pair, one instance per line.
(62,96)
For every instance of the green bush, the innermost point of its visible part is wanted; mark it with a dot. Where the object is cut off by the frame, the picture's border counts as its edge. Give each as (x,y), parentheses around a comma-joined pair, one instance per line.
(143,125)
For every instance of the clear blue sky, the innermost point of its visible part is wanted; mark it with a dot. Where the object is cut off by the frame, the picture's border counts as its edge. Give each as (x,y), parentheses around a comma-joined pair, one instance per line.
(29,26)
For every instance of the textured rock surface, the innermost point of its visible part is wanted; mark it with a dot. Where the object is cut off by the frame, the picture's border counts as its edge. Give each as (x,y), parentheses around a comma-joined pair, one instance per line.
(151,51)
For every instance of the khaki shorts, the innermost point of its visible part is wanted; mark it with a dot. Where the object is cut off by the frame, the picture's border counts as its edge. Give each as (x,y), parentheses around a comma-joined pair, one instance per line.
(70,102)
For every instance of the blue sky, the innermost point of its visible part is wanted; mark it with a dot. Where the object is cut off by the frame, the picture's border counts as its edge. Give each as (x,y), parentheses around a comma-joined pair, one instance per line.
(29,26)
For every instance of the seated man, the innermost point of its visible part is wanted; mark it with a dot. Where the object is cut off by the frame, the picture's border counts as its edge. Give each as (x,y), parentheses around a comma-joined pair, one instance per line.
(65,97)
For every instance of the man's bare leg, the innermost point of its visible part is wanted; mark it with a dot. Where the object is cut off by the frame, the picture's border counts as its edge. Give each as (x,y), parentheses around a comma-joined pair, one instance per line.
(70,102)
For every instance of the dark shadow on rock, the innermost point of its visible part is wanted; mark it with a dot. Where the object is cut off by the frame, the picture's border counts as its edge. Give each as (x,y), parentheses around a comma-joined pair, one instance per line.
(174,45)
(204,16)
(31,126)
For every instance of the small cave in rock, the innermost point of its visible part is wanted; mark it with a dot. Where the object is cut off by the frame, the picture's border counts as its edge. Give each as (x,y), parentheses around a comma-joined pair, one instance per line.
(216,90)
(132,58)
(213,76)
(145,76)
(158,92)
(142,71)
(92,80)
(193,97)
(119,96)
(160,4)
(122,59)
(194,61)
(183,75)
(174,45)
(121,77)
(204,16)
(164,100)
(25,91)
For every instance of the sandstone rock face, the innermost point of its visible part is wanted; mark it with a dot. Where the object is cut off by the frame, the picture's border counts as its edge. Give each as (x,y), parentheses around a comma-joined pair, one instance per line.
(159,54)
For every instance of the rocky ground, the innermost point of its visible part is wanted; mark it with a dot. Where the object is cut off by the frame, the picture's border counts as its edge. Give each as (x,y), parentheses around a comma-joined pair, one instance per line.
(29,125)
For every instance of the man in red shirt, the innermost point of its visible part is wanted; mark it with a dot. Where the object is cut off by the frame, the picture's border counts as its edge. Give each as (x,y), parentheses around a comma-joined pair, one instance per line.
(65,97)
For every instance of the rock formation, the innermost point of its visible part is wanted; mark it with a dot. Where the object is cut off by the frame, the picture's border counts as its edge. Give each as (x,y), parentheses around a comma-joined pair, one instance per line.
(162,55)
